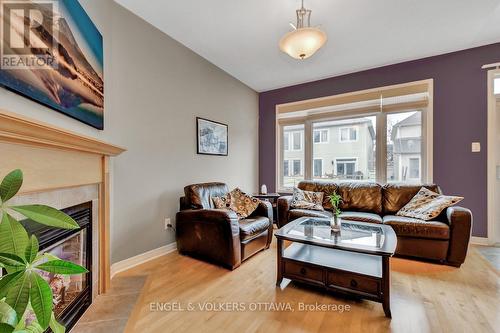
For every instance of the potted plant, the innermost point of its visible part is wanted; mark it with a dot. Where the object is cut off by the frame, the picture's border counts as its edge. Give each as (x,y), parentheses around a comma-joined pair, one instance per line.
(335,200)
(26,301)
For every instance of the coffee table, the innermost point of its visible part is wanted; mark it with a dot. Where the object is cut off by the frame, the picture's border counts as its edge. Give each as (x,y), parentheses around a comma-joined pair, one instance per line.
(354,261)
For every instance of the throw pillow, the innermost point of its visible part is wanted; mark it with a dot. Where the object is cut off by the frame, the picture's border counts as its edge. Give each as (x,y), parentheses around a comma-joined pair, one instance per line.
(222,202)
(427,205)
(242,204)
(307,199)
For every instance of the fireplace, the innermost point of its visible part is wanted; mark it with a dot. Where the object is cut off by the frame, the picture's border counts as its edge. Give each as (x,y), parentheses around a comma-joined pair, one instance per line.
(72,295)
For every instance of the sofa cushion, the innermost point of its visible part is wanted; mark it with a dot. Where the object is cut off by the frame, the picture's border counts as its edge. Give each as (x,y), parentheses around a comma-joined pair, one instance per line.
(200,196)
(306,199)
(253,226)
(328,188)
(427,205)
(410,227)
(294,214)
(396,196)
(362,197)
(361,216)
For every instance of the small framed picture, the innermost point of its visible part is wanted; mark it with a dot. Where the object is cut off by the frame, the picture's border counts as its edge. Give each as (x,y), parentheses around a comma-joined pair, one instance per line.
(212,137)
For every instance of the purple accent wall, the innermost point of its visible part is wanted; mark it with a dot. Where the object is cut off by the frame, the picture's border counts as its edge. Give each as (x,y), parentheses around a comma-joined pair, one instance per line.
(460,117)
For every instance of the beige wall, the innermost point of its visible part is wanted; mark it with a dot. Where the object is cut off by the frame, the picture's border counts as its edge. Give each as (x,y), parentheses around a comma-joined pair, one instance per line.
(155,87)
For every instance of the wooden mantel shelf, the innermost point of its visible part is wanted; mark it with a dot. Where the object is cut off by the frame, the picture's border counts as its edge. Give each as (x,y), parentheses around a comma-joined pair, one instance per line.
(18,129)
(53,158)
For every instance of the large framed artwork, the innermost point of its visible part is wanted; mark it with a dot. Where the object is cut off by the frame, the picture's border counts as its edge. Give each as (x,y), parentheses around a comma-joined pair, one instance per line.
(212,137)
(52,53)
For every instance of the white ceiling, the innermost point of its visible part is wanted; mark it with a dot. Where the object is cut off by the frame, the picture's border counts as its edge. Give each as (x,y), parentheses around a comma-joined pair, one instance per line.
(241,36)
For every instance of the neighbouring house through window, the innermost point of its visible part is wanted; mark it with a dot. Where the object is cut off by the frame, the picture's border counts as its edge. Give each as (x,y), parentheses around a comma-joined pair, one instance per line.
(380,135)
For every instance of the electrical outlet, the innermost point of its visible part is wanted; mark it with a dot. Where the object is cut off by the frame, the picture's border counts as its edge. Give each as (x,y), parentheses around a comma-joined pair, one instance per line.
(167,223)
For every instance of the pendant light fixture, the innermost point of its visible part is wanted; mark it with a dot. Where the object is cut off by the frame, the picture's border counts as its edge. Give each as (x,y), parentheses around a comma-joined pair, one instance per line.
(304,40)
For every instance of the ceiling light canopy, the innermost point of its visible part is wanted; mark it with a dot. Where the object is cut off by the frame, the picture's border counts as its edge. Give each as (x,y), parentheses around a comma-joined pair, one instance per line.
(304,40)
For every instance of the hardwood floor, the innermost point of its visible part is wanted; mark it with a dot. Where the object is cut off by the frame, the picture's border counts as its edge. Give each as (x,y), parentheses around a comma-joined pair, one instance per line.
(425,298)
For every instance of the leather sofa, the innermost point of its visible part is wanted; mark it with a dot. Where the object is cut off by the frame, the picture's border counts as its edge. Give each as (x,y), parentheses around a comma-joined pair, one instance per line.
(444,239)
(217,235)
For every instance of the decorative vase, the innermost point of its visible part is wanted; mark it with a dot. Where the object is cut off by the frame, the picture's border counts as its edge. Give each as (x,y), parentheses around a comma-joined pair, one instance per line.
(335,223)
(263,189)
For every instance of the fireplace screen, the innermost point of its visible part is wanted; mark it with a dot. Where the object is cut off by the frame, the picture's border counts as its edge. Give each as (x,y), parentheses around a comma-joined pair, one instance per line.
(66,288)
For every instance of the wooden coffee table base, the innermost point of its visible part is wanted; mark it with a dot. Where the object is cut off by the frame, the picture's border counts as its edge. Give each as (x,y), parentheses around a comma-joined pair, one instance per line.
(362,275)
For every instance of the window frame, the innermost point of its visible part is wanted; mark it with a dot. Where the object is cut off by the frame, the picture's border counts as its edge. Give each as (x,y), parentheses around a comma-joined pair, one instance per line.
(301,167)
(419,160)
(322,167)
(350,128)
(320,130)
(307,119)
(355,159)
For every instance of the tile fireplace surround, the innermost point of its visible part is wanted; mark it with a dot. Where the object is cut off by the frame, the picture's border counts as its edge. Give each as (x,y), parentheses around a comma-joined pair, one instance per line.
(48,157)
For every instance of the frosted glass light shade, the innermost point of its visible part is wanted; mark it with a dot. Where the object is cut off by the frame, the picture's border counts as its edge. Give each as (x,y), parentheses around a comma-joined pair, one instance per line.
(302,43)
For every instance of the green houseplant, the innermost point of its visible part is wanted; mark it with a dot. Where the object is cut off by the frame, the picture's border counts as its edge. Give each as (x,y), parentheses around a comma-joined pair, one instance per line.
(335,200)
(26,304)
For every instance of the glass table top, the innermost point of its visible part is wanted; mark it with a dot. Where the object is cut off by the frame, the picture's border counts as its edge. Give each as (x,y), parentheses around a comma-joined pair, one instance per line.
(353,234)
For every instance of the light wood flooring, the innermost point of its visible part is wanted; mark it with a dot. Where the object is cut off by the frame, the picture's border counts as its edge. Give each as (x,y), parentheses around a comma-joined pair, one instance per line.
(424,298)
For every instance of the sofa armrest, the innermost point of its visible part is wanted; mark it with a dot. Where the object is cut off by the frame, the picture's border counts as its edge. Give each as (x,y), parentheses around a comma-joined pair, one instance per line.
(265,209)
(213,234)
(283,208)
(460,223)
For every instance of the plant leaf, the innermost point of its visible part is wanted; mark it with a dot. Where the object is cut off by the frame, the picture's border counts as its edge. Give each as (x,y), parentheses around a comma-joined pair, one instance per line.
(32,248)
(47,215)
(7,315)
(13,260)
(55,326)
(61,267)
(11,184)
(7,281)
(13,237)
(5,328)
(41,300)
(34,327)
(19,294)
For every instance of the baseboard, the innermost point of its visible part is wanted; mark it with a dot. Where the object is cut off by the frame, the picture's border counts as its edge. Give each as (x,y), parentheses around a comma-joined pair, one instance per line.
(480,240)
(123,265)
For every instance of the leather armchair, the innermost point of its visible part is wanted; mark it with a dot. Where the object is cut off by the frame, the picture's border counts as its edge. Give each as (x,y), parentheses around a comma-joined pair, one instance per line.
(217,235)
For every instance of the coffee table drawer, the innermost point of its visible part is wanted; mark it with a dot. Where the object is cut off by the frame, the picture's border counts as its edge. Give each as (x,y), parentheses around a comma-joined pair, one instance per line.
(353,282)
(304,272)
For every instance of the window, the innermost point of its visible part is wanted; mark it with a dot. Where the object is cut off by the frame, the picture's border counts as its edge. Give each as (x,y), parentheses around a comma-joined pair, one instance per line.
(346,168)
(286,141)
(404,146)
(348,134)
(382,135)
(297,140)
(286,168)
(318,167)
(321,136)
(496,86)
(297,167)
(414,168)
(293,156)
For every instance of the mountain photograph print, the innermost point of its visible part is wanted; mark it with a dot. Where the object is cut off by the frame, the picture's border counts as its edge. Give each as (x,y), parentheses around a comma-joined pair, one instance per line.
(52,53)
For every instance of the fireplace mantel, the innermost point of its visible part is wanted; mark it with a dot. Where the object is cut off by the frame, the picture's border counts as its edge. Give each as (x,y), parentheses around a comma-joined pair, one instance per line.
(53,158)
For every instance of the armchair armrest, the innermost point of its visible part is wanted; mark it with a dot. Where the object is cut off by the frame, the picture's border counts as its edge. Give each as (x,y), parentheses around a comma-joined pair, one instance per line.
(213,234)
(460,223)
(283,208)
(265,209)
